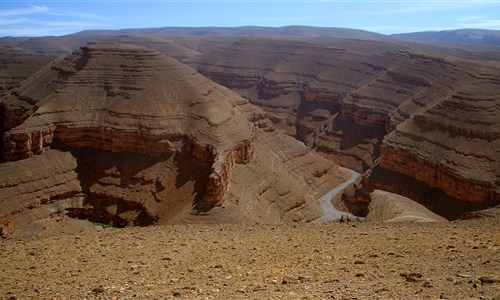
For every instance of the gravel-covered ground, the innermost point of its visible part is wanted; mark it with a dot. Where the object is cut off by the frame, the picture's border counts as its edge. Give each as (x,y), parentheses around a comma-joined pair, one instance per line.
(458,260)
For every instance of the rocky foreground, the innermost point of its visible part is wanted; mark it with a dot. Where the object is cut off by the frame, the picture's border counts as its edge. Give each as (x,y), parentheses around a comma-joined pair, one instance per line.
(457,260)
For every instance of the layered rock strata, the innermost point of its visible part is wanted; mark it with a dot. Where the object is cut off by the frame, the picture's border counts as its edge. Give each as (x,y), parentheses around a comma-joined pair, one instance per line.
(18,64)
(377,105)
(454,145)
(154,142)
(123,98)
(36,189)
(392,208)
(282,184)
(126,99)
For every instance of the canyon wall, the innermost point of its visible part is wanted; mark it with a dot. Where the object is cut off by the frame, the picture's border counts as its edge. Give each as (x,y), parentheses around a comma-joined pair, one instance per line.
(18,64)
(418,120)
(149,141)
(128,99)
(381,108)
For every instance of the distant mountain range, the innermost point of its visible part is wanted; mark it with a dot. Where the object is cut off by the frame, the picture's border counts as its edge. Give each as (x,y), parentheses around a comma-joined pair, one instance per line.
(459,36)
(304,31)
(156,37)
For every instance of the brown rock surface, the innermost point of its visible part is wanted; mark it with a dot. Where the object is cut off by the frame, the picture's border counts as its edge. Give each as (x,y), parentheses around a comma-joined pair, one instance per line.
(15,66)
(388,207)
(454,260)
(421,120)
(453,145)
(282,184)
(301,85)
(18,64)
(435,117)
(150,139)
(91,99)
(39,188)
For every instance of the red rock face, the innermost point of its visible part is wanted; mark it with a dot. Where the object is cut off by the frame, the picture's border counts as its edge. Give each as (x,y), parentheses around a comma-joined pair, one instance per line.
(369,104)
(126,99)
(218,180)
(454,145)
(150,141)
(419,124)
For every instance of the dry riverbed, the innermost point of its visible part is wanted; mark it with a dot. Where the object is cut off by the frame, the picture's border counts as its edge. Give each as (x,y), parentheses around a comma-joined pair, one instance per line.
(458,260)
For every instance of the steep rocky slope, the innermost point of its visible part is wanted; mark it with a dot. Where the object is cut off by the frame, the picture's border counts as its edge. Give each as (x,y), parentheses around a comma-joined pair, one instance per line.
(18,64)
(335,95)
(453,146)
(419,119)
(431,118)
(301,85)
(149,140)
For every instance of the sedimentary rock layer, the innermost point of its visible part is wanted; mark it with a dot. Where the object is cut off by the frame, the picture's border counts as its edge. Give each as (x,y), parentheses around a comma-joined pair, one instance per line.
(18,64)
(127,99)
(153,141)
(340,97)
(37,188)
(455,144)
(390,208)
(431,117)
(122,98)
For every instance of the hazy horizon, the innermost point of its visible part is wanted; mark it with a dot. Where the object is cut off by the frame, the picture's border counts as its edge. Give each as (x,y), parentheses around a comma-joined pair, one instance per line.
(59,17)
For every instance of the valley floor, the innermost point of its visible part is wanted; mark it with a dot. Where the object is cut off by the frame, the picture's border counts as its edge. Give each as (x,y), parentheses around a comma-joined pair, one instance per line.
(458,260)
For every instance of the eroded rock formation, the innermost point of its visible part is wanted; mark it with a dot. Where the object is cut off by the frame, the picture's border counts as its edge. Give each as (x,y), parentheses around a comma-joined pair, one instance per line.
(316,91)
(390,208)
(150,140)
(15,66)
(381,106)
(418,120)
(454,145)
(18,64)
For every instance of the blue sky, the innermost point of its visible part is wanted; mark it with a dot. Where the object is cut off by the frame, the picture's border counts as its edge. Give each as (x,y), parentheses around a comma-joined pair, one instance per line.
(58,17)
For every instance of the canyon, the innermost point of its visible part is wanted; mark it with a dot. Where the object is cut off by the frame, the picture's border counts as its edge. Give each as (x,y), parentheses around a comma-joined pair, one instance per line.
(153,127)
(123,135)
(422,125)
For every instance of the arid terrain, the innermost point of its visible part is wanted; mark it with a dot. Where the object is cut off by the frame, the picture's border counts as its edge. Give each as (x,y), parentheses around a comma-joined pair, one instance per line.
(128,136)
(252,163)
(456,260)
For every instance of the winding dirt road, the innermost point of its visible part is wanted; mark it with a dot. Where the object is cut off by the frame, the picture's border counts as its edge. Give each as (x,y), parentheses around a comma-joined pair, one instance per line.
(330,213)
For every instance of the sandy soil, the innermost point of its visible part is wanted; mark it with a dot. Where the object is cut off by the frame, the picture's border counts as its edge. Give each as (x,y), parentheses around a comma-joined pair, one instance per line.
(458,260)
